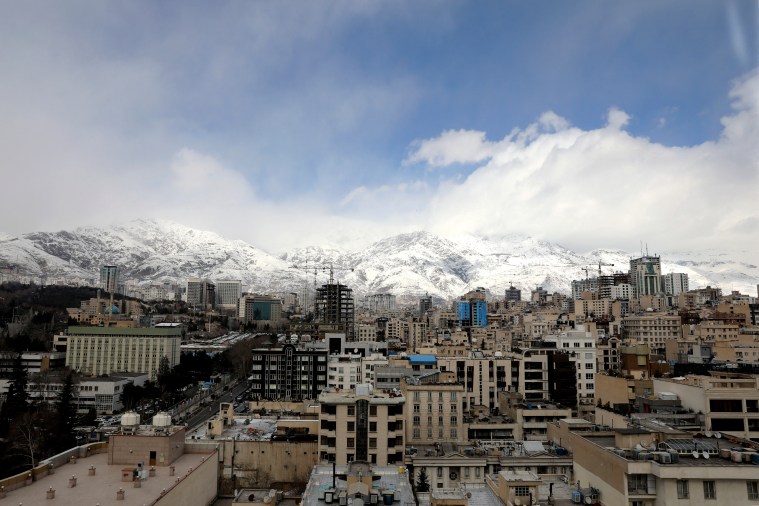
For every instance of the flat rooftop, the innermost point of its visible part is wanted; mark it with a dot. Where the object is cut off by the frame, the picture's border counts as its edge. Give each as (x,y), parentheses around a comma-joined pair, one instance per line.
(101,488)
(389,479)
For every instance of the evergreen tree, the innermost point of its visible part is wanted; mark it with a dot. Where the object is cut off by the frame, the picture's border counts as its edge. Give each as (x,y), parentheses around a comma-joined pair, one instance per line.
(422,482)
(66,416)
(17,398)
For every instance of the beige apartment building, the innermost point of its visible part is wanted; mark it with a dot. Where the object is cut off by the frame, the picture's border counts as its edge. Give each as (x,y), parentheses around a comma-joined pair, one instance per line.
(434,412)
(483,376)
(653,329)
(361,425)
(729,402)
(636,467)
(106,350)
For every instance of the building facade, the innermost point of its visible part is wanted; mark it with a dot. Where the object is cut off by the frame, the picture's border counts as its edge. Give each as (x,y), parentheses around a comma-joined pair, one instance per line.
(288,373)
(361,425)
(106,350)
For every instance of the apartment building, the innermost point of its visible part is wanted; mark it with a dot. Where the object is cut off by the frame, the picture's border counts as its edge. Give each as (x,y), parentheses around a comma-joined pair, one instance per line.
(581,345)
(675,283)
(434,411)
(288,373)
(366,332)
(653,329)
(483,377)
(105,350)
(729,402)
(636,467)
(344,371)
(361,425)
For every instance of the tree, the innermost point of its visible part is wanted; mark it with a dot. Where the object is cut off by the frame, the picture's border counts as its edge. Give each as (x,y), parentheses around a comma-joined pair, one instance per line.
(17,399)
(422,482)
(66,416)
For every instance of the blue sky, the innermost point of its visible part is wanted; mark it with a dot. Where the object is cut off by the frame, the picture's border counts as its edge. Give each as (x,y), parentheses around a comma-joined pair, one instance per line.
(302,112)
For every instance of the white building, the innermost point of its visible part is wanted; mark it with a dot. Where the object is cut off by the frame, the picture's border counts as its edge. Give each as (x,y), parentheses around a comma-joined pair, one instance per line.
(675,283)
(583,345)
(344,371)
(369,364)
(621,291)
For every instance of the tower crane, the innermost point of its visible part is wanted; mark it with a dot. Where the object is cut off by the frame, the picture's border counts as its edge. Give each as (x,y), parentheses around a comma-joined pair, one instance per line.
(601,264)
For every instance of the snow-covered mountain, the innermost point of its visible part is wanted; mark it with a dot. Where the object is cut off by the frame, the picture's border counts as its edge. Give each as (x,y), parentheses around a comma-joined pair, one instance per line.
(406,264)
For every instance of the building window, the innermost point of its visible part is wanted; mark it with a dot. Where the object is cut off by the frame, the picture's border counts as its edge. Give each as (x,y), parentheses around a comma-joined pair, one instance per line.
(682,489)
(453,396)
(416,396)
(752,487)
(372,410)
(710,490)
(351,426)
(521,491)
(417,433)
(417,420)
(372,426)
(416,408)
(454,433)
(372,442)
(439,472)
(351,410)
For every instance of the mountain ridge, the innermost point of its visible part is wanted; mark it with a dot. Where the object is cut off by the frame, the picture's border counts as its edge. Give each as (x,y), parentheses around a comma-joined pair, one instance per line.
(407,264)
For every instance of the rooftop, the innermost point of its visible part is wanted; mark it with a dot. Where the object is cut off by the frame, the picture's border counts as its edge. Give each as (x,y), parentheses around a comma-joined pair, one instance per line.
(102,487)
(117,331)
(387,479)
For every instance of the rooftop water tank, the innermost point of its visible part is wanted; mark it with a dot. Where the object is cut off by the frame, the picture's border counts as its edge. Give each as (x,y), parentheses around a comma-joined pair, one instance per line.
(162,419)
(130,419)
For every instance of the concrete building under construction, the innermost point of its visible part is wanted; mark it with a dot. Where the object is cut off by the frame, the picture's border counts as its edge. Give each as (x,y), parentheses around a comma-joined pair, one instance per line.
(335,309)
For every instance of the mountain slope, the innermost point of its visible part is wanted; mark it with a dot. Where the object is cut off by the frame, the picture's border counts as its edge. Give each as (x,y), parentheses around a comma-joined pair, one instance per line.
(406,264)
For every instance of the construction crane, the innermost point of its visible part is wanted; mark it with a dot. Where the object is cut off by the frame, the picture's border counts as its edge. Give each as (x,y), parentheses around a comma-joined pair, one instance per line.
(601,264)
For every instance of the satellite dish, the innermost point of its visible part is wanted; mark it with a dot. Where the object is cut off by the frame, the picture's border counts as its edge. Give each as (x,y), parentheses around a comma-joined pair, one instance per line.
(695,454)
(718,435)
(706,455)
(709,433)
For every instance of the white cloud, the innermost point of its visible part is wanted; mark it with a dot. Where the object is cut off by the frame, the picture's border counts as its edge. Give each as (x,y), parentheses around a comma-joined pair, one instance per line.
(617,119)
(602,187)
(453,146)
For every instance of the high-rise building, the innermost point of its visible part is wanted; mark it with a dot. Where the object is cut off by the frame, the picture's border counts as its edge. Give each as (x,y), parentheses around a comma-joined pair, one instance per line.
(425,303)
(645,276)
(513,294)
(380,302)
(675,283)
(584,285)
(109,278)
(228,293)
(201,293)
(335,309)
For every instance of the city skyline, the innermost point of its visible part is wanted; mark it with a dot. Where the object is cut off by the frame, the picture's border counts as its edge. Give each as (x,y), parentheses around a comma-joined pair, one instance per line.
(340,123)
